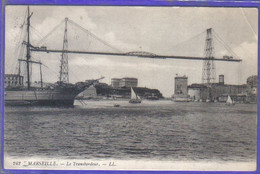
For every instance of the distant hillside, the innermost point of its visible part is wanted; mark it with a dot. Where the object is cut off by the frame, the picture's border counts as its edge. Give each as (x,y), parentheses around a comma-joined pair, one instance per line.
(125,92)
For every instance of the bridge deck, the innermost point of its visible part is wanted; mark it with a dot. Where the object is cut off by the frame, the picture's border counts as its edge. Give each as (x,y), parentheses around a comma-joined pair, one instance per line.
(137,55)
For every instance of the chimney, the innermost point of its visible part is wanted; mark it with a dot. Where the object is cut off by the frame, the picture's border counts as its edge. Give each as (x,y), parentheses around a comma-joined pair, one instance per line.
(221,79)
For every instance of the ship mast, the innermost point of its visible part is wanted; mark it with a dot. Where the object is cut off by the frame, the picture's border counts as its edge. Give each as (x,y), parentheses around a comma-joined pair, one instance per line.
(28,56)
(28,53)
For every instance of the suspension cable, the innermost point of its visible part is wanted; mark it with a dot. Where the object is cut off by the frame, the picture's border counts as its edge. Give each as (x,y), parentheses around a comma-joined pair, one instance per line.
(46,36)
(91,34)
(224,44)
(37,32)
(250,25)
(90,42)
(180,43)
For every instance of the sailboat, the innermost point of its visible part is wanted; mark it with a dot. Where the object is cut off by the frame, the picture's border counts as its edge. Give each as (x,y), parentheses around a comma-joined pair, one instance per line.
(229,101)
(58,94)
(134,97)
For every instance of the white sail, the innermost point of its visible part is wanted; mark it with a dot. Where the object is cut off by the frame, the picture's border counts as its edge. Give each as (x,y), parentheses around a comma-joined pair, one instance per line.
(134,98)
(133,95)
(229,100)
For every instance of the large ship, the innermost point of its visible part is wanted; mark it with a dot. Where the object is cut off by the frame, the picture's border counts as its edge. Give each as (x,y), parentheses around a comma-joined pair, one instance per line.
(57,94)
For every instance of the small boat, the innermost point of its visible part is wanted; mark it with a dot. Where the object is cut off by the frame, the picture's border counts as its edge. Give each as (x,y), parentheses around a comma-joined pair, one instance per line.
(229,101)
(116,105)
(134,98)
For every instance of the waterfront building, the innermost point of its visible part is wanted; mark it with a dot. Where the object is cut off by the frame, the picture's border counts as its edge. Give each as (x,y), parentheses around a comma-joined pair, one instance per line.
(220,91)
(216,90)
(115,82)
(128,82)
(181,89)
(13,80)
(198,92)
(252,89)
(181,84)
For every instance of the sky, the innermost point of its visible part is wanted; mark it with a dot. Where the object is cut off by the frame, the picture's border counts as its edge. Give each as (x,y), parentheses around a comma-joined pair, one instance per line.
(160,30)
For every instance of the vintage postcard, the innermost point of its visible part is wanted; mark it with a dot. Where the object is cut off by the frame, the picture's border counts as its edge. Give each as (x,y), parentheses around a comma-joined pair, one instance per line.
(130,88)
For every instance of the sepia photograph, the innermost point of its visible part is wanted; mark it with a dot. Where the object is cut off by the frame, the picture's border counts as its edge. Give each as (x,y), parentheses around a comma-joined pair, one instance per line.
(133,88)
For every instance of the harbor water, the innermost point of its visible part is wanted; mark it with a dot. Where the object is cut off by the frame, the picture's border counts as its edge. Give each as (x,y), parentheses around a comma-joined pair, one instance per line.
(154,130)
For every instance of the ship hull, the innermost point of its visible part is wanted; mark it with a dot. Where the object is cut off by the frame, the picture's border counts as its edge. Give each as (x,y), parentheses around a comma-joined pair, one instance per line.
(40,98)
(135,101)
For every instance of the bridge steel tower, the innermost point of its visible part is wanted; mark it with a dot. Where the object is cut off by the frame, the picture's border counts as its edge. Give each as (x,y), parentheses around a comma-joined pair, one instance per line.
(208,69)
(64,67)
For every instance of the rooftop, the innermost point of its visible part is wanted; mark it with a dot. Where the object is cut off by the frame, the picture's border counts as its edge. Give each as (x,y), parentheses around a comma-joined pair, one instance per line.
(181,77)
(12,75)
(129,78)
